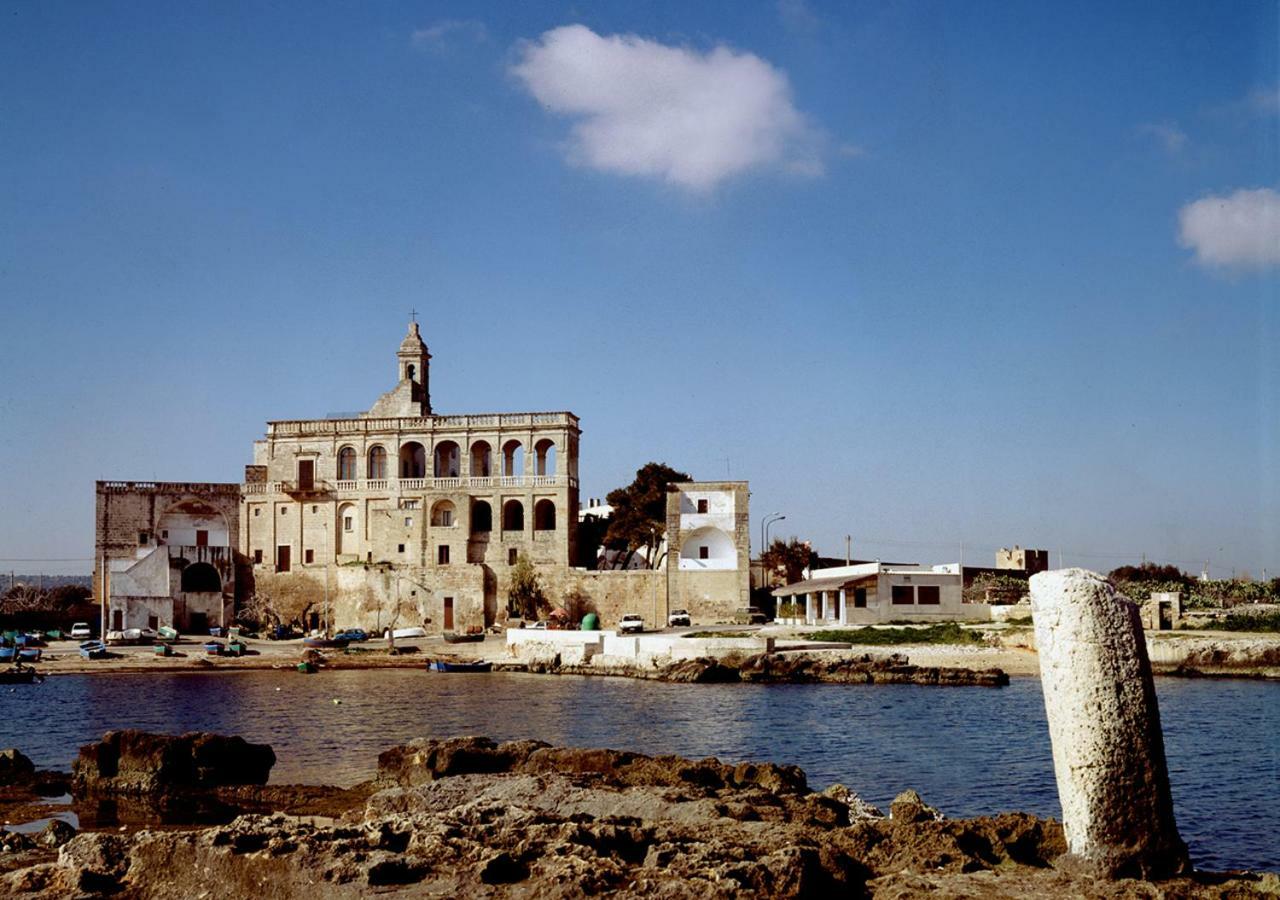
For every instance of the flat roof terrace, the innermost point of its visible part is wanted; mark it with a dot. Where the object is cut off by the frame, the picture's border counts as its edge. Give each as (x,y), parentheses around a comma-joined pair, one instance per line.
(480,421)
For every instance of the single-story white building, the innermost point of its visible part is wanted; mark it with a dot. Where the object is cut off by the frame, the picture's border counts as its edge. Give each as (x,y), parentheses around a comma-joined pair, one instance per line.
(876,593)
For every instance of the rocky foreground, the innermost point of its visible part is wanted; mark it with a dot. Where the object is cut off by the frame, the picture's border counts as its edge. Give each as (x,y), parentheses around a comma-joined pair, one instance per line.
(469,817)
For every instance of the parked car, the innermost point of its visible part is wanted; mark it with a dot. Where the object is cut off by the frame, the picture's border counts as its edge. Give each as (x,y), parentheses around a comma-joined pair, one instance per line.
(679,618)
(352,634)
(749,615)
(630,624)
(81,631)
(540,625)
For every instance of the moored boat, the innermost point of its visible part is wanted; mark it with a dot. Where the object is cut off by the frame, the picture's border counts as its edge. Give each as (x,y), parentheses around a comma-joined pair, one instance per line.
(441,665)
(452,637)
(306,667)
(166,633)
(93,650)
(324,643)
(29,654)
(20,674)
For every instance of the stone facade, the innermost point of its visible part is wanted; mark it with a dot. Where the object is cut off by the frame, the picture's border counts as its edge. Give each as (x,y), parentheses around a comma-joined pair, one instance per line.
(169,552)
(446,501)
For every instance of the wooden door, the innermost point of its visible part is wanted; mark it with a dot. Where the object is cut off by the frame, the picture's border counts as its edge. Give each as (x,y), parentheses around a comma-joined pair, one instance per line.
(202,538)
(448,614)
(282,558)
(306,474)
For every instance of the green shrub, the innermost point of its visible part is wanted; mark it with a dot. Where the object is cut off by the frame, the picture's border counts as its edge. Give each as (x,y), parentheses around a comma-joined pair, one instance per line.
(945,633)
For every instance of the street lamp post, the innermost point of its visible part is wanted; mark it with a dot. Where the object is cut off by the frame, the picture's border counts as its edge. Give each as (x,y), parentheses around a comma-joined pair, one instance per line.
(764,541)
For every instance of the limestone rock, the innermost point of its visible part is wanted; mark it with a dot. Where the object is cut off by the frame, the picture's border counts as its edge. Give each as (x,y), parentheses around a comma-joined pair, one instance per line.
(137,762)
(15,768)
(909,807)
(56,833)
(1104,724)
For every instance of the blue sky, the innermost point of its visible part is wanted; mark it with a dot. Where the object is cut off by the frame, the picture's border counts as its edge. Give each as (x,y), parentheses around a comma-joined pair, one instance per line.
(924,273)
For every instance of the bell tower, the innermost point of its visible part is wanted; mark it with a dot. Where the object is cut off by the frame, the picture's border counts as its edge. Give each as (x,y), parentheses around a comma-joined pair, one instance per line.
(415,366)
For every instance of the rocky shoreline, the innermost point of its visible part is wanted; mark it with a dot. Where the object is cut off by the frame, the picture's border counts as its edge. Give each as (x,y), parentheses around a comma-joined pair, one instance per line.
(471,817)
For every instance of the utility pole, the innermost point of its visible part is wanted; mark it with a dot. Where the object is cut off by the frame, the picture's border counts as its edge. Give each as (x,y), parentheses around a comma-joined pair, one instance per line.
(848,549)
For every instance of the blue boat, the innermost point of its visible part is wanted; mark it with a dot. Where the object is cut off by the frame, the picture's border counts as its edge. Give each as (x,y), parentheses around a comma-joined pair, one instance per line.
(93,650)
(29,654)
(7,654)
(213,648)
(441,665)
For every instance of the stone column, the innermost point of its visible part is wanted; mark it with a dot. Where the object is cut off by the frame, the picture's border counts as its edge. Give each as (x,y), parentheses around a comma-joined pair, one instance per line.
(1108,750)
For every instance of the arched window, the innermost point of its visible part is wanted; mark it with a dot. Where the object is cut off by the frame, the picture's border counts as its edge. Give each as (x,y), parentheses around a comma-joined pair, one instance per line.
(481,517)
(512,458)
(347,464)
(446,460)
(377,462)
(413,460)
(513,516)
(481,460)
(545,457)
(410,371)
(348,532)
(442,514)
(544,515)
(201,578)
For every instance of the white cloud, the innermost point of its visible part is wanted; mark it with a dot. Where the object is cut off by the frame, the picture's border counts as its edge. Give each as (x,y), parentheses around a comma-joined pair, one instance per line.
(434,37)
(796,15)
(1168,134)
(1241,230)
(643,108)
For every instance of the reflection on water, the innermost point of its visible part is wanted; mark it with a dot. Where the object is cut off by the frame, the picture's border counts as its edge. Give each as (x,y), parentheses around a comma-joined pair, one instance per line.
(969,751)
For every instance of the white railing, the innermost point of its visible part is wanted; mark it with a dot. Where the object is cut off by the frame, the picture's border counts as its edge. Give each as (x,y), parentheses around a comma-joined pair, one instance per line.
(291,427)
(416,484)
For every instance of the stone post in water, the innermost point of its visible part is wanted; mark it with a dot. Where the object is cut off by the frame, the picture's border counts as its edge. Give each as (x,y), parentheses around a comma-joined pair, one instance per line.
(1108,750)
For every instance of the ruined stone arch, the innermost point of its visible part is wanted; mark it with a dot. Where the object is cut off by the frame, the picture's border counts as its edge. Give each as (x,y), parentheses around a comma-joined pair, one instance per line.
(201,578)
(481,517)
(544,515)
(512,458)
(413,460)
(447,459)
(347,464)
(513,516)
(545,457)
(444,514)
(377,462)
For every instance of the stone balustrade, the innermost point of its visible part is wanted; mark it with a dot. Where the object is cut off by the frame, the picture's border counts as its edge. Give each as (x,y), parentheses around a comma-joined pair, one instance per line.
(401,485)
(408,425)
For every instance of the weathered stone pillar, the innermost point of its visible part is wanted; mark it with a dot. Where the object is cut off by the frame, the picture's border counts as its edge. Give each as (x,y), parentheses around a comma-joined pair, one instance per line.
(1108,750)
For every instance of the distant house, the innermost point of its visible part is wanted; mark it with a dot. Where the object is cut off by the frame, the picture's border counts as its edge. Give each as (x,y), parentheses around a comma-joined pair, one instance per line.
(875,593)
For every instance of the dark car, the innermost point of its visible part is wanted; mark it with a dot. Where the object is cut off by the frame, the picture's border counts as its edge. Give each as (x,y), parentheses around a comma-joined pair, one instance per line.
(352,634)
(749,615)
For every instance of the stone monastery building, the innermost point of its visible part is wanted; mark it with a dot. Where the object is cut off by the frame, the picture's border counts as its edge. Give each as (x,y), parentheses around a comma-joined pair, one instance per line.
(406,518)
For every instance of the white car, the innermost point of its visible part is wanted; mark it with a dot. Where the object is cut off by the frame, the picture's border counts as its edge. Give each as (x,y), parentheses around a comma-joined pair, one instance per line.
(630,624)
(679,618)
(80,631)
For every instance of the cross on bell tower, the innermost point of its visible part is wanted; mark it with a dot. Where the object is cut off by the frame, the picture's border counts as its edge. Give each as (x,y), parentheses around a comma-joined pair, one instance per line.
(414,364)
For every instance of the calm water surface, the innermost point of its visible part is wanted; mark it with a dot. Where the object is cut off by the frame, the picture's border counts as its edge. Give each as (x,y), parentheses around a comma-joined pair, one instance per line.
(969,751)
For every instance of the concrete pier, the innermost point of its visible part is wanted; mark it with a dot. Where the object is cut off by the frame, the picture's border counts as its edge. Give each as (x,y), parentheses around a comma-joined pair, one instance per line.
(1108,749)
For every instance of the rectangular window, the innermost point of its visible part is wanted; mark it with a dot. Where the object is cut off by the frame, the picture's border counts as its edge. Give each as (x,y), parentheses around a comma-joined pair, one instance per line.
(165,534)
(446,518)
(442,554)
(408,504)
(314,508)
(704,553)
(257,557)
(202,538)
(348,523)
(903,595)
(400,548)
(929,594)
(143,538)
(512,554)
(860,598)
(408,521)
(257,510)
(284,510)
(309,556)
(702,506)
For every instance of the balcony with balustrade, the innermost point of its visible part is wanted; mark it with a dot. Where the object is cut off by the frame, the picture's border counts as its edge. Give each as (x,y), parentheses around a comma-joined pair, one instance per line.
(409,485)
